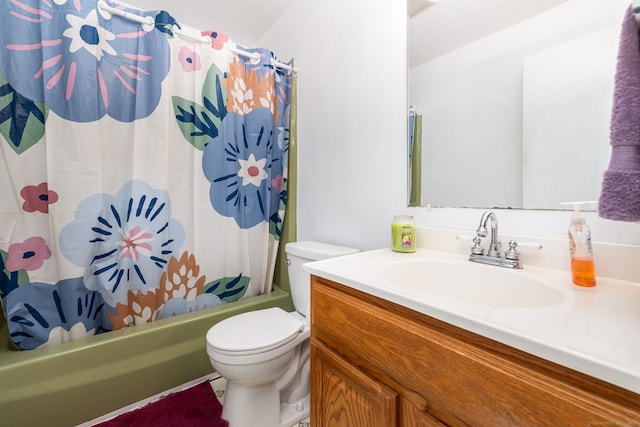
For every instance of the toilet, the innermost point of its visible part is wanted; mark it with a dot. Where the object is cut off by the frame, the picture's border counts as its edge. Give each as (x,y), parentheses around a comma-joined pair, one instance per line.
(264,354)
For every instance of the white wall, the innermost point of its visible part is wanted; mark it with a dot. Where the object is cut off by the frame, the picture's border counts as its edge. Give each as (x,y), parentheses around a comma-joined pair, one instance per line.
(352,129)
(352,57)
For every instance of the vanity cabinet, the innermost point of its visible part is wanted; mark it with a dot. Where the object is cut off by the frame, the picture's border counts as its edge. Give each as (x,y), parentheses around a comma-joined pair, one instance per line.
(376,363)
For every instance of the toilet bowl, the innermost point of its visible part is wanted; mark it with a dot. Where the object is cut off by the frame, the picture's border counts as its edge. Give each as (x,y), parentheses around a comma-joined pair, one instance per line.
(264,354)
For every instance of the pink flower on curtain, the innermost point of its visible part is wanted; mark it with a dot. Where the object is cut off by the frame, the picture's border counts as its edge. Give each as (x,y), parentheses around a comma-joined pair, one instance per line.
(28,255)
(217,39)
(189,59)
(135,243)
(38,197)
(278,183)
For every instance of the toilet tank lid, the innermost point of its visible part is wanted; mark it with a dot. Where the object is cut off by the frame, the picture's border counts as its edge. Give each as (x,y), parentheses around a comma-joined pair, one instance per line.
(316,251)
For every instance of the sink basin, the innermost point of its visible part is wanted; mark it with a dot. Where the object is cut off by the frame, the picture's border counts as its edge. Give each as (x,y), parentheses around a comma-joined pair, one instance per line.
(471,282)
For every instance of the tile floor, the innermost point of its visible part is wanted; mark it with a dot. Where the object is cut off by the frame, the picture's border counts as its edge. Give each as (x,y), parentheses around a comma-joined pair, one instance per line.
(217,383)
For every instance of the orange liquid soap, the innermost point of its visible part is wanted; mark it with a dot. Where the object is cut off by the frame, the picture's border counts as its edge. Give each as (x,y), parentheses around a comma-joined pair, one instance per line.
(583,272)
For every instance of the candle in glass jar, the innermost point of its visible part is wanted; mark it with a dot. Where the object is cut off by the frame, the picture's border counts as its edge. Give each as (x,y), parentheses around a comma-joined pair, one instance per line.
(403,234)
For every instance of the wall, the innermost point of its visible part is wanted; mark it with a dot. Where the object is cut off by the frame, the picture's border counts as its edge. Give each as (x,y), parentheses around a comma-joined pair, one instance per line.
(352,123)
(352,129)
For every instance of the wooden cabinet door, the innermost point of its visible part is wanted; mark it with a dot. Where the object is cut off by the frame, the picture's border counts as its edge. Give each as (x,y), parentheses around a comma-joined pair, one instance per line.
(344,396)
(412,416)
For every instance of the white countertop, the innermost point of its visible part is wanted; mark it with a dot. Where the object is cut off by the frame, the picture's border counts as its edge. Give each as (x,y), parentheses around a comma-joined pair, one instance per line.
(595,331)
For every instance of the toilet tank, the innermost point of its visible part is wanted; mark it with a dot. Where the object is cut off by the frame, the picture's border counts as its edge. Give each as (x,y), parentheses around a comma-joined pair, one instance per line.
(299,253)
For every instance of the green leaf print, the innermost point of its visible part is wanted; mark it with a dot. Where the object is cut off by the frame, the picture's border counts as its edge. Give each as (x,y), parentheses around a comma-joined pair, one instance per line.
(199,124)
(21,119)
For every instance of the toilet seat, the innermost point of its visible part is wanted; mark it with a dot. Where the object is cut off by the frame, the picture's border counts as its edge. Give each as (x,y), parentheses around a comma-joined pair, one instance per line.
(254,332)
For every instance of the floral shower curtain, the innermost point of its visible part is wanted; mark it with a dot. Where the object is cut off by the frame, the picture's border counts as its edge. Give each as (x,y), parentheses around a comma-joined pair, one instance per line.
(143,174)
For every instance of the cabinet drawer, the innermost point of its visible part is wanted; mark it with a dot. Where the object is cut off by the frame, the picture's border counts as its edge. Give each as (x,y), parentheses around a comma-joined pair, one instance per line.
(462,377)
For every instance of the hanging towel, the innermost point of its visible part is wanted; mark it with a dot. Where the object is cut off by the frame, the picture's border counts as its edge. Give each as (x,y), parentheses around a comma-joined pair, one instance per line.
(620,195)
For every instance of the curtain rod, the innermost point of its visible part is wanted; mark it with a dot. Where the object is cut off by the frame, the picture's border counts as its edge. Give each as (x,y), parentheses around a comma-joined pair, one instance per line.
(148,24)
(251,55)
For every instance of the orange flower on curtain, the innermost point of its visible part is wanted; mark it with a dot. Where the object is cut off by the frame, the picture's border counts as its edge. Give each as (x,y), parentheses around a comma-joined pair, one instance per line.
(248,90)
(181,282)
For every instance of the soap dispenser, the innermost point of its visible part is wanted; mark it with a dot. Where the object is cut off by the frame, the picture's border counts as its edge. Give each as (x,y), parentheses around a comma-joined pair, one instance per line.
(582,267)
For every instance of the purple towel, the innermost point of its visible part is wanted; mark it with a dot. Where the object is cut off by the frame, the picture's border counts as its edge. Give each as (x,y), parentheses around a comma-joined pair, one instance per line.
(620,196)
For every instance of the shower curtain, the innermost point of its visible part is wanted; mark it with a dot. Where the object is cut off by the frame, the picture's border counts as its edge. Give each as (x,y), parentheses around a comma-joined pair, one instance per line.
(144,174)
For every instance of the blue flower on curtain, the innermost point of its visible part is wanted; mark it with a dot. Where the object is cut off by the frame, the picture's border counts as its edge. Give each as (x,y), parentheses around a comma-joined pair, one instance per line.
(45,314)
(81,65)
(241,163)
(284,109)
(124,242)
(280,181)
(177,306)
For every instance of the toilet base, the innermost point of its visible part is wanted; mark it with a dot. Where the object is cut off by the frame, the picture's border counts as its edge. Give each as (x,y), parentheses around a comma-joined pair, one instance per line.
(291,413)
(259,406)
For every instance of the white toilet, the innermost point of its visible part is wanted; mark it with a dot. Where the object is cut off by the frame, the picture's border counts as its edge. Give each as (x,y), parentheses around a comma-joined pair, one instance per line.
(264,354)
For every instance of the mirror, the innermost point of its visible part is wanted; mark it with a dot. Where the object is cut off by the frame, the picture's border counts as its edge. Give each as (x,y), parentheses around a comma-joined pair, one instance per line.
(515,101)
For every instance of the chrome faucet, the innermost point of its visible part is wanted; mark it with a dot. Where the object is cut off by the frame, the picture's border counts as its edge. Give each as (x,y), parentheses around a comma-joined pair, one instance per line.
(510,259)
(494,247)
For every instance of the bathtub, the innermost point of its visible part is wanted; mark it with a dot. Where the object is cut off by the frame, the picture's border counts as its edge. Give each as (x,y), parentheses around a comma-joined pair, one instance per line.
(68,384)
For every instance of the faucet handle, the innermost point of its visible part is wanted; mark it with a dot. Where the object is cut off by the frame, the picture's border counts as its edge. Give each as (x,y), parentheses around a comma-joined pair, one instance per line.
(477,248)
(530,245)
(512,253)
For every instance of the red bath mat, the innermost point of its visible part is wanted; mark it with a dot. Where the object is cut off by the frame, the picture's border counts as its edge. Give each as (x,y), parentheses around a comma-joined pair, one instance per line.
(197,406)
